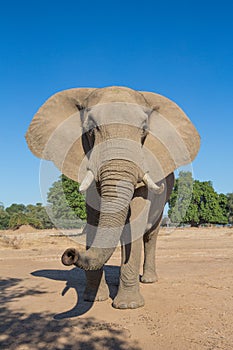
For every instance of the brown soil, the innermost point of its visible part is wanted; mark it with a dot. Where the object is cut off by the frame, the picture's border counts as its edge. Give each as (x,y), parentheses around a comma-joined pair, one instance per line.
(23,229)
(191,307)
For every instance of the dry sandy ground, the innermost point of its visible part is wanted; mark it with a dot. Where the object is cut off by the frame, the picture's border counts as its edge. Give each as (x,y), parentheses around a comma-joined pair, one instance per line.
(191,307)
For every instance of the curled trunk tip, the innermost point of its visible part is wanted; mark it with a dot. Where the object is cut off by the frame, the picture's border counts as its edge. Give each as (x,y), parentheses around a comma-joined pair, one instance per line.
(70,256)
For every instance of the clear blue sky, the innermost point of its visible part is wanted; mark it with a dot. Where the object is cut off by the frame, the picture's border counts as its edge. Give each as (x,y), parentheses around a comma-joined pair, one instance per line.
(181,49)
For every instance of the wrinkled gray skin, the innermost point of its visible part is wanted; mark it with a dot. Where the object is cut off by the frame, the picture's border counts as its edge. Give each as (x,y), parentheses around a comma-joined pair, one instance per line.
(125,211)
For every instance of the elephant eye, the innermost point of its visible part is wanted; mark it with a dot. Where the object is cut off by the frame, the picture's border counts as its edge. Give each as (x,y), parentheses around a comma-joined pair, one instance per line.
(92,124)
(145,131)
(91,132)
(145,126)
(91,129)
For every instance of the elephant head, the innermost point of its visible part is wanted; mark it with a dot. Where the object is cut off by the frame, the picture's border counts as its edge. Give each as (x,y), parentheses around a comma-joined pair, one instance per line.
(116,137)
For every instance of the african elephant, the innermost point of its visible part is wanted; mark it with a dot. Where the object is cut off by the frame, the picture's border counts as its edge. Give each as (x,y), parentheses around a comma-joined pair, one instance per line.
(122,145)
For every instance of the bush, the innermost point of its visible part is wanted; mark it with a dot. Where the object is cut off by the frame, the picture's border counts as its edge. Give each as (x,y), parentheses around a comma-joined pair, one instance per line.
(19,219)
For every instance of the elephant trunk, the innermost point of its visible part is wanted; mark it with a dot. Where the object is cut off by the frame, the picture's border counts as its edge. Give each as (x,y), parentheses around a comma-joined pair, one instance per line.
(118,179)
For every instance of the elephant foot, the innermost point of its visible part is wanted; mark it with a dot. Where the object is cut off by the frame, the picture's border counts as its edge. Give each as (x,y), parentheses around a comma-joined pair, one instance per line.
(149,277)
(100,294)
(128,299)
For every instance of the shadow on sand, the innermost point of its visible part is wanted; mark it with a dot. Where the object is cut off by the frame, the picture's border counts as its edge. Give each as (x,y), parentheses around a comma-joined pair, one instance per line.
(75,278)
(38,330)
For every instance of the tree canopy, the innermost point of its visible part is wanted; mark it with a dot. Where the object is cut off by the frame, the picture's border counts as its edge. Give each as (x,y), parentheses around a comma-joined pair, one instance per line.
(66,204)
(17,215)
(66,209)
(230,207)
(4,218)
(195,202)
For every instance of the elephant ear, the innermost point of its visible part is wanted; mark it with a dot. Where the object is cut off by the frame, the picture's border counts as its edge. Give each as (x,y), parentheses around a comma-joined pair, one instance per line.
(55,132)
(172,140)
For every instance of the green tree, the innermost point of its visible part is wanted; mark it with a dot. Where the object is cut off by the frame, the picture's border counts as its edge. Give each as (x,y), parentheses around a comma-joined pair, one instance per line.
(181,197)
(206,205)
(19,219)
(16,208)
(229,205)
(4,218)
(222,199)
(38,213)
(17,215)
(66,204)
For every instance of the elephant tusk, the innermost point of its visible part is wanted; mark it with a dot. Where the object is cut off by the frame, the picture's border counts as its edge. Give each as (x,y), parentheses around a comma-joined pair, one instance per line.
(151,185)
(86,181)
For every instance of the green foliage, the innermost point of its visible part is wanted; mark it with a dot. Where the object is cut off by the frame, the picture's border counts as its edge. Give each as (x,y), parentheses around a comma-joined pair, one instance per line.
(38,214)
(66,203)
(66,207)
(229,198)
(19,219)
(203,206)
(16,208)
(18,214)
(222,199)
(181,197)
(4,218)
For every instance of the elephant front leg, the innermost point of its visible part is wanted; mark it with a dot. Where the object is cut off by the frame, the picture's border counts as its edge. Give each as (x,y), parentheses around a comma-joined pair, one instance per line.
(149,267)
(96,286)
(128,296)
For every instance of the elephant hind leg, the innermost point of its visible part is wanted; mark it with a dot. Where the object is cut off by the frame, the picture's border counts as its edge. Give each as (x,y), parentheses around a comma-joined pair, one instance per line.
(149,266)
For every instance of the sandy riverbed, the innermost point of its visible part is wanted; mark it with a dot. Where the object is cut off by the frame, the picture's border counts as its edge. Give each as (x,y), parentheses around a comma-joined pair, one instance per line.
(191,307)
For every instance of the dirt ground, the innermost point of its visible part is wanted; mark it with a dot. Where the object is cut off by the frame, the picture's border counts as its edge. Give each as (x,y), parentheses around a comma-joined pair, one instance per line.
(191,307)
